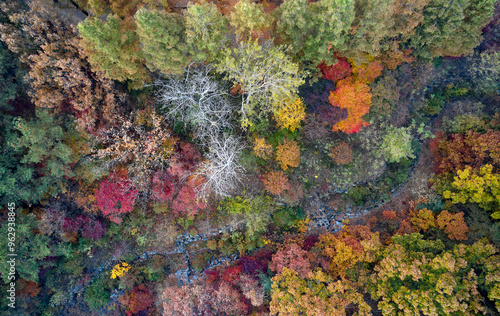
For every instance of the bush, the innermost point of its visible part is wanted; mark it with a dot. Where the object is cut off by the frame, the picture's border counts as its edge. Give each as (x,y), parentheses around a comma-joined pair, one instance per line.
(435,104)
(359,195)
(396,144)
(287,217)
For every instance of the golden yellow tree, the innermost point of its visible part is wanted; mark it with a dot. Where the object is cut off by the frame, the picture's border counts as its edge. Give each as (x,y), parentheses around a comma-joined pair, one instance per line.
(289,113)
(288,154)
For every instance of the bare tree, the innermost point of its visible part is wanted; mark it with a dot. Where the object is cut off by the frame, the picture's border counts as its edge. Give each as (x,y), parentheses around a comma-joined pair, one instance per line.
(221,170)
(196,100)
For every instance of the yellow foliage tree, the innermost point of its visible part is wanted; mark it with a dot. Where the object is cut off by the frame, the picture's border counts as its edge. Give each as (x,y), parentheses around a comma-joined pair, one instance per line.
(262,149)
(288,154)
(119,269)
(290,113)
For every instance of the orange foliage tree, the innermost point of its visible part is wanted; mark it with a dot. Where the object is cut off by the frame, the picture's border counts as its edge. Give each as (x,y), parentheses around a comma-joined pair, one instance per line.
(341,153)
(288,154)
(354,96)
(275,182)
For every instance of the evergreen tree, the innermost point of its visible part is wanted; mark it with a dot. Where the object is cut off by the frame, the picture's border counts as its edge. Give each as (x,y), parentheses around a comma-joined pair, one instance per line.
(162,38)
(113,47)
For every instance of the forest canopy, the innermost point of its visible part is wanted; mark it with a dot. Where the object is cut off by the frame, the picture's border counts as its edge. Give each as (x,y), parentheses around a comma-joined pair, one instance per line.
(237,157)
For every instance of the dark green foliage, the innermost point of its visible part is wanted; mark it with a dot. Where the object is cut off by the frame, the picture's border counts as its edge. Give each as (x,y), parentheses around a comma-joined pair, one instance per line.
(43,143)
(359,195)
(10,77)
(451,28)
(31,248)
(287,217)
(435,103)
(96,295)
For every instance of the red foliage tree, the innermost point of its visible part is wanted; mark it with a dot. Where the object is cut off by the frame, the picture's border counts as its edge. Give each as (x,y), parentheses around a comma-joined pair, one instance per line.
(163,188)
(354,96)
(138,300)
(186,201)
(336,72)
(116,196)
(232,275)
(453,224)
(292,257)
(184,160)
(275,182)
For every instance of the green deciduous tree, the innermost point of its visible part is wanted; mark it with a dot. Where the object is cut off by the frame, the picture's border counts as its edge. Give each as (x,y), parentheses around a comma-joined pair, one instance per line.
(162,36)
(396,144)
(264,72)
(485,71)
(113,47)
(481,187)
(418,277)
(206,32)
(249,19)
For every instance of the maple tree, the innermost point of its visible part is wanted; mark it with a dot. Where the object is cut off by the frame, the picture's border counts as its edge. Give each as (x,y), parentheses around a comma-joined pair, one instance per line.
(457,151)
(187,201)
(367,72)
(116,195)
(288,154)
(292,257)
(354,96)
(453,224)
(336,72)
(137,300)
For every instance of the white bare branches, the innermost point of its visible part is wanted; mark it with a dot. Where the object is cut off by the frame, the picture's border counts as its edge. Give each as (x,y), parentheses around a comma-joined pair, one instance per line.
(200,102)
(221,170)
(196,100)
